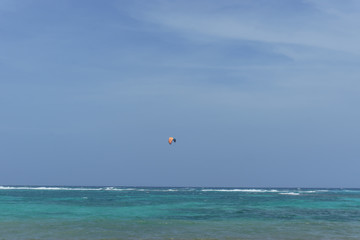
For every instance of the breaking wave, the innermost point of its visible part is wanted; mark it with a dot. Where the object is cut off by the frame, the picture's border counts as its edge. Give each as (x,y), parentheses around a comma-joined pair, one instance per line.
(290,193)
(240,190)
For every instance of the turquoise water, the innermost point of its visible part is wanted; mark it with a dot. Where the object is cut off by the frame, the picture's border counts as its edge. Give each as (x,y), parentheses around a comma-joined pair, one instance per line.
(178,213)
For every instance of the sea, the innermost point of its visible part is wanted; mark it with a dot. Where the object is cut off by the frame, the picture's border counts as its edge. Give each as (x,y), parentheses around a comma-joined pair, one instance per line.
(48,212)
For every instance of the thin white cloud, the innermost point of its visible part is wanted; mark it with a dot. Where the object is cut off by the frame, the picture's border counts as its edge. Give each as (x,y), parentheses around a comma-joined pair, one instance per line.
(320,24)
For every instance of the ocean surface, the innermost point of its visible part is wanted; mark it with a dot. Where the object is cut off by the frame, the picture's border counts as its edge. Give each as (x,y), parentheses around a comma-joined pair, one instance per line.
(178,213)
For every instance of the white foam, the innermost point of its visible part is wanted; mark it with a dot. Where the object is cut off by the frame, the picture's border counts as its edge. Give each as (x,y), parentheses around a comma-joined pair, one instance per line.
(131,189)
(350,190)
(249,190)
(313,191)
(240,190)
(155,190)
(166,190)
(290,193)
(50,188)
(308,191)
(72,188)
(119,189)
(89,189)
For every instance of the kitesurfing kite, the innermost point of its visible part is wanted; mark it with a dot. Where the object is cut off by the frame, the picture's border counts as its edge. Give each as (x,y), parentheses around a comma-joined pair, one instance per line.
(171,140)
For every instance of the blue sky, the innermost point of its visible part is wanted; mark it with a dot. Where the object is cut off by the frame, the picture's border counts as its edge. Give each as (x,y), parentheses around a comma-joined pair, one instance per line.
(257,93)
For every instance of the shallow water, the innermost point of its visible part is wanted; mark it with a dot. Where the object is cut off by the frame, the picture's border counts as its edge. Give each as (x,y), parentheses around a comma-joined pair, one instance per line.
(178,213)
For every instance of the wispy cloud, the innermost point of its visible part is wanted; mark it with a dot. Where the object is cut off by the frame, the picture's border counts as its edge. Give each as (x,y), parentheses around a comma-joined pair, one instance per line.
(320,24)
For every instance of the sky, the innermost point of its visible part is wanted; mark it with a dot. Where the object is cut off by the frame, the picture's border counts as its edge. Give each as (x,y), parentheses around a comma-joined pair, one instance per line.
(257,93)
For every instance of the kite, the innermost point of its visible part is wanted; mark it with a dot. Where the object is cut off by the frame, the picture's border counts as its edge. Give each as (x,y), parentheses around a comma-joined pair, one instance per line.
(171,140)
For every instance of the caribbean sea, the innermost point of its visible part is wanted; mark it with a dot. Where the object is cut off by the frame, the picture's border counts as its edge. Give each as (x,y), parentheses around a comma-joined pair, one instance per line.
(33,212)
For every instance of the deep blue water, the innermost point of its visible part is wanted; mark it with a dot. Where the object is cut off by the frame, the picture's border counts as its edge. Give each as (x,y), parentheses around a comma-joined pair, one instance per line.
(178,213)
